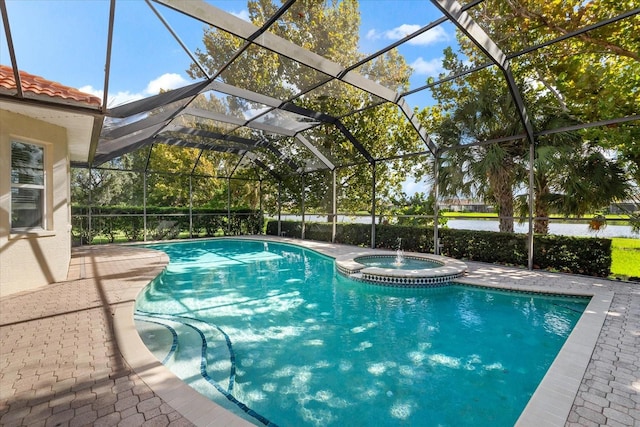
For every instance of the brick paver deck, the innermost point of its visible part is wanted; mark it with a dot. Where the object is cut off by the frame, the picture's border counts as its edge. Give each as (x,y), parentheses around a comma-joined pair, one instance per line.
(64,361)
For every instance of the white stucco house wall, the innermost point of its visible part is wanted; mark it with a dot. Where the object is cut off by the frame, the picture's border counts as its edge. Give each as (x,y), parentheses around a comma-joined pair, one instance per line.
(44,126)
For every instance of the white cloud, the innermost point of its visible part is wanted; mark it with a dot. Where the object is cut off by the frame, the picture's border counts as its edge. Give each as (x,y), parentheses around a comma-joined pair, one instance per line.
(167,81)
(372,35)
(434,35)
(243,14)
(91,90)
(401,31)
(431,67)
(115,99)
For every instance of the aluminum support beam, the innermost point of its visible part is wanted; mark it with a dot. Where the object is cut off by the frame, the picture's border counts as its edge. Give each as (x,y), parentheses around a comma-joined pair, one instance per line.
(89,225)
(131,130)
(373,205)
(177,38)
(410,115)
(436,189)
(190,207)
(107,62)
(334,206)
(252,124)
(453,10)
(304,141)
(245,30)
(228,206)
(302,196)
(12,52)
(532,158)
(160,100)
(279,208)
(144,206)
(247,144)
(260,195)
(114,148)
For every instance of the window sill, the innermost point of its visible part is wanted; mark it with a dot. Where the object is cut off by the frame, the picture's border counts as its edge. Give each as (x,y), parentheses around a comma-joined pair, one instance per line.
(30,234)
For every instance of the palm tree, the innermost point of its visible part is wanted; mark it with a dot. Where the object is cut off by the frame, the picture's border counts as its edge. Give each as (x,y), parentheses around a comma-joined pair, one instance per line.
(491,170)
(572,175)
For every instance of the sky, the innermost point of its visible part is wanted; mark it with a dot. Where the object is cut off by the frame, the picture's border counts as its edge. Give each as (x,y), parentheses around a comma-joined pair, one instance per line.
(66,41)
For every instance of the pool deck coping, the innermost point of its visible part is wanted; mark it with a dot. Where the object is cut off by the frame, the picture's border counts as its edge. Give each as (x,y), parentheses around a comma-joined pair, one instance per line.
(557,400)
(551,402)
(553,398)
(448,268)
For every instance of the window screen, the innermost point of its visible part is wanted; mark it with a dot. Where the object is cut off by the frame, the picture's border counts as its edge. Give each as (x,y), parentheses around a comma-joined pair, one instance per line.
(27,186)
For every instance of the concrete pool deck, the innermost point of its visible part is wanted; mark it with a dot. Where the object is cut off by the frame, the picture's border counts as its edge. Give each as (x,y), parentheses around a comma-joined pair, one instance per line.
(70,354)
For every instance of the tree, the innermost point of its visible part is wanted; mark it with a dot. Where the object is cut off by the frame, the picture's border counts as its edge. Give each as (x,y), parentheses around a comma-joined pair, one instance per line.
(330,29)
(417,204)
(480,109)
(572,175)
(582,79)
(593,76)
(102,186)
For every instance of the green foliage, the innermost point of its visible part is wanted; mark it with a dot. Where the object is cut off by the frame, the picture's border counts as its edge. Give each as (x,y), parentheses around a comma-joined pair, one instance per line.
(331,29)
(162,222)
(582,79)
(419,205)
(485,246)
(588,256)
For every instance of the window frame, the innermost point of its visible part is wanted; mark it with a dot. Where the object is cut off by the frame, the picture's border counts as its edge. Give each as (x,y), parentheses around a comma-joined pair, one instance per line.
(43,220)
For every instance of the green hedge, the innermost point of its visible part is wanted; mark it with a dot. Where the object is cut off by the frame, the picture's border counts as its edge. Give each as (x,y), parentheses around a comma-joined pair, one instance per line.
(577,255)
(162,222)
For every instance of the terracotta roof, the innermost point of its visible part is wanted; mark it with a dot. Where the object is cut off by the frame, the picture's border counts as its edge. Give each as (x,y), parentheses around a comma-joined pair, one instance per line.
(36,85)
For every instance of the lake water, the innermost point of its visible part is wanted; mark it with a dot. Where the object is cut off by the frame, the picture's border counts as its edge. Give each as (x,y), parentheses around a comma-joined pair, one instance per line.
(557,228)
(564,229)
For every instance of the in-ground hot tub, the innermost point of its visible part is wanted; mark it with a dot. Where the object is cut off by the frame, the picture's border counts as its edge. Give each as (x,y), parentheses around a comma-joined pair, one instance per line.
(417,270)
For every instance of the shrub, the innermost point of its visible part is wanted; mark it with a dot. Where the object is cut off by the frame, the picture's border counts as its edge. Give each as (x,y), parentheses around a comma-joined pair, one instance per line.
(162,222)
(578,255)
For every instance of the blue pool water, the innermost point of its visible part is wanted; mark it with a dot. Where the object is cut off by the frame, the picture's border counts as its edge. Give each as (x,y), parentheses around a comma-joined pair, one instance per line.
(392,262)
(273,333)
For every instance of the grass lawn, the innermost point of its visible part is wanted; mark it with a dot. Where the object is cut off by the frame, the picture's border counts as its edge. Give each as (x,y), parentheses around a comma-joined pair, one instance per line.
(625,257)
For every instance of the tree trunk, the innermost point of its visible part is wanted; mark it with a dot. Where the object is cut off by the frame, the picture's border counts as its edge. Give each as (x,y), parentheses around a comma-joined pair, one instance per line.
(500,183)
(505,211)
(541,209)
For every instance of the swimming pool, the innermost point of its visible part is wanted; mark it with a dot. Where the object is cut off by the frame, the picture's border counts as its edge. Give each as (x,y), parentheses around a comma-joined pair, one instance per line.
(281,338)
(407,263)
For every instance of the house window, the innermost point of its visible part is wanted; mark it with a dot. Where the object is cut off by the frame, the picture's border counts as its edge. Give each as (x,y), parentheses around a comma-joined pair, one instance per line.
(27,186)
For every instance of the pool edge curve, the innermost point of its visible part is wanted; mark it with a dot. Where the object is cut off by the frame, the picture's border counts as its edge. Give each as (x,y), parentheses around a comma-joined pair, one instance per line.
(551,402)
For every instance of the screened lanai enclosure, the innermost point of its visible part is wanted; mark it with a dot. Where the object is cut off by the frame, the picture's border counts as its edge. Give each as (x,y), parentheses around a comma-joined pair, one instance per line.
(315,107)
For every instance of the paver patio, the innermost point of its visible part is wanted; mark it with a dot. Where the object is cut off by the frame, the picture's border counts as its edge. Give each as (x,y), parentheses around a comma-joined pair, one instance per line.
(69,354)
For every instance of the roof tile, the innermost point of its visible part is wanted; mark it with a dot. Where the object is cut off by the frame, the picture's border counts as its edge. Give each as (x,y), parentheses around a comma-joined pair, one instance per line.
(40,86)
